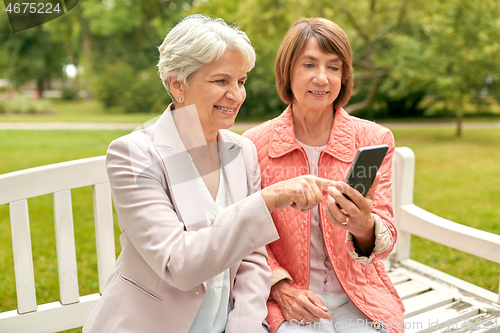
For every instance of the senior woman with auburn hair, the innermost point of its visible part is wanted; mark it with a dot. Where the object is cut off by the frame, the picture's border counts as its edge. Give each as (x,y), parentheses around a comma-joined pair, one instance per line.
(327,274)
(193,218)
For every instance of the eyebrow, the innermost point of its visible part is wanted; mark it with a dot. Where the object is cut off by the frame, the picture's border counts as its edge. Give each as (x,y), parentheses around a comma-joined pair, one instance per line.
(335,59)
(228,76)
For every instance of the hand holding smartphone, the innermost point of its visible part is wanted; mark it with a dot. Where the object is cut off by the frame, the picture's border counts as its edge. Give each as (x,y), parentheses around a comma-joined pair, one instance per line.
(364,168)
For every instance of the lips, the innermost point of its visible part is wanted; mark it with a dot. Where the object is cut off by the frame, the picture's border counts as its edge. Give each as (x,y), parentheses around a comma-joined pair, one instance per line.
(225,110)
(318,93)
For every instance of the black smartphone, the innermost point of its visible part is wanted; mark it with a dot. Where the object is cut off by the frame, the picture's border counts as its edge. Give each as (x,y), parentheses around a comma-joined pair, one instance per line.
(364,168)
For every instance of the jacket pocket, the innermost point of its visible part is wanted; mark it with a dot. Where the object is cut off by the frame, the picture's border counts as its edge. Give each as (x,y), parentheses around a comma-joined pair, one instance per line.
(141,288)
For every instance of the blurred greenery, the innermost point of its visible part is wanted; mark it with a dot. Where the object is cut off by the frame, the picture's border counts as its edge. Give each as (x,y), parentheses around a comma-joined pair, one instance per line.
(411,58)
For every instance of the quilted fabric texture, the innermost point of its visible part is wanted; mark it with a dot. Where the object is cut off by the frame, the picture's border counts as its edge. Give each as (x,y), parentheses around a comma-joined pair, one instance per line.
(281,158)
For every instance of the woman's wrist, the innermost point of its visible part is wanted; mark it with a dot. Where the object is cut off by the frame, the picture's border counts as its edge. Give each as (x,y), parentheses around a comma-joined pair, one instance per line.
(269,198)
(365,240)
(277,288)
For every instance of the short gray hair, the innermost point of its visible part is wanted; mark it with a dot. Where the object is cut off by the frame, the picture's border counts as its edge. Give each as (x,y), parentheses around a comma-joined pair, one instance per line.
(198,40)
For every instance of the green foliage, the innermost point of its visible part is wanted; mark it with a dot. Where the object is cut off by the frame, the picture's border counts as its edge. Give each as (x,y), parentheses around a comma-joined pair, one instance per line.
(69,94)
(109,86)
(411,58)
(450,53)
(120,85)
(146,94)
(30,54)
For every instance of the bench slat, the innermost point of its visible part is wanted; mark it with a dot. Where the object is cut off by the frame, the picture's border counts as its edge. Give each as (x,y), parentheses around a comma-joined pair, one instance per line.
(483,322)
(50,317)
(23,257)
(433,320)
(410,288)
(65,245)
(425,302)
(52,178)
(104,233)
(398,278)
(422,223)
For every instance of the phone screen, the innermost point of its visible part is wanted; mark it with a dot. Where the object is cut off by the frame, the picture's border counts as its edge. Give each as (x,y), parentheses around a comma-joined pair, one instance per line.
(365,167)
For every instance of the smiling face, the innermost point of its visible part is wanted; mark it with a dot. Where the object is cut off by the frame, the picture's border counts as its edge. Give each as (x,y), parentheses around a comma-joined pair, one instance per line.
(217,90)
(316,79)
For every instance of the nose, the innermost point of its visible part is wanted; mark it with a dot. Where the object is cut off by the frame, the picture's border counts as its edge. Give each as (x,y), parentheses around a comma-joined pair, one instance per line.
(320,76)
(236,93)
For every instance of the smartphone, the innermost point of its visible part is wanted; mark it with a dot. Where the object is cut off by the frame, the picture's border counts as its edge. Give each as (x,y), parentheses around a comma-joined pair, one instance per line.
(364,168)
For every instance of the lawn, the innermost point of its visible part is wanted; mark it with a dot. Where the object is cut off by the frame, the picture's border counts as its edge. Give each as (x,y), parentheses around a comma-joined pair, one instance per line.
(458,179)
(79,111)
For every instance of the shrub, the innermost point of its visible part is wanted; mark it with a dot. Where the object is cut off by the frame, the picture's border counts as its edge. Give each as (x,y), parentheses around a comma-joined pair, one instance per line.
(120,84)
(19,103)
(146,94)
(69,94)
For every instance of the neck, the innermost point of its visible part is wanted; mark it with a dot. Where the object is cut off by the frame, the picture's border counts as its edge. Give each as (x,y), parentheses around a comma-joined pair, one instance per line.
(210,136)
(312,127)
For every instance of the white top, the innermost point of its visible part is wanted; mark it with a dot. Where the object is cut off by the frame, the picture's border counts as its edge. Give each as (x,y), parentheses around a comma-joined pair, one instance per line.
(322,278)
(212,314)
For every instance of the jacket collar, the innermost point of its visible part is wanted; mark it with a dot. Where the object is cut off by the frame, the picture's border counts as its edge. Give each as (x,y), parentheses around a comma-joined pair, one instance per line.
(341,144)
(185,194)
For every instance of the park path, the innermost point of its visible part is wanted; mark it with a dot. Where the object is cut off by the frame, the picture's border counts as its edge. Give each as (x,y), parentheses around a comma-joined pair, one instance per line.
(237,126)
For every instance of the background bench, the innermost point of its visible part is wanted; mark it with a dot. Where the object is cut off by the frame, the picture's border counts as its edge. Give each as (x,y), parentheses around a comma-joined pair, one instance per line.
(435,301)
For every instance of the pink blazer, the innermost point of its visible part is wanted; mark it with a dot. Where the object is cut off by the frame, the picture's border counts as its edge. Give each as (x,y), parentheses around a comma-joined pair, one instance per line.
(167,253)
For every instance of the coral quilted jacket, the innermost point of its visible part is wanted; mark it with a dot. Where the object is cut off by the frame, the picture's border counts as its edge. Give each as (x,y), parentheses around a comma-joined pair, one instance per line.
(280,158)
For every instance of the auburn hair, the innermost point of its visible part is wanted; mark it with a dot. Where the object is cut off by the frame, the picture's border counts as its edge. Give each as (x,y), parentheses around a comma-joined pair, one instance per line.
(331,39)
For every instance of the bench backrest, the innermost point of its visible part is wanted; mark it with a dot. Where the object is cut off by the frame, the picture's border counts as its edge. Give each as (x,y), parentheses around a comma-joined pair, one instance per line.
(58,180)
(413,220)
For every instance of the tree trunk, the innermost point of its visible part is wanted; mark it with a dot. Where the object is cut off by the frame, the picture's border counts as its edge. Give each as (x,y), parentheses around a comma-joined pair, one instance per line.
(459,124)
(460,115)
(40,85)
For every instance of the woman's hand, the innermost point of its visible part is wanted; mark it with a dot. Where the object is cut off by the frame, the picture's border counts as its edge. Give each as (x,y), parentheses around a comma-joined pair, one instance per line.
(355,216)
(304,193)
(297,305)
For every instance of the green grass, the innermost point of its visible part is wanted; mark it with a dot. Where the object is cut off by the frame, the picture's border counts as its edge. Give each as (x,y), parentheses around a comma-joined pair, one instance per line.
(80,111)
(458,179)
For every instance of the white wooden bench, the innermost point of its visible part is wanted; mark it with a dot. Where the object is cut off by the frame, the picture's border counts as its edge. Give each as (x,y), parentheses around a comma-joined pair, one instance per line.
(435,301)
(58,180)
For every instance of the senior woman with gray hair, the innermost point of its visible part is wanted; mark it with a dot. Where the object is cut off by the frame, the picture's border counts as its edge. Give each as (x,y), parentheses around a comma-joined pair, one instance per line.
(187,192)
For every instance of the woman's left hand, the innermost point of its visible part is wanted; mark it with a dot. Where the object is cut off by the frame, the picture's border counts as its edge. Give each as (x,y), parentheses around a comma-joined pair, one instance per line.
(356,215)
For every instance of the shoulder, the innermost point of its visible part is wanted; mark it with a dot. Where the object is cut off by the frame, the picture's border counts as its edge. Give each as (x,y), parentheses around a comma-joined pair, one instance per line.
(370,132)
(260,133)
(135,141)
(245,144)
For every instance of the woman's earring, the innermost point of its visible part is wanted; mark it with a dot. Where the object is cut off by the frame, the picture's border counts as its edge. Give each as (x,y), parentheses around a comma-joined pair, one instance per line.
(180,99)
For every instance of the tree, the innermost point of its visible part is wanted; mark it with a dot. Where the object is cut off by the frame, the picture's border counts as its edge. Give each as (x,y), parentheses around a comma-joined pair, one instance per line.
(30,54)
(367,23)
(452,53)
